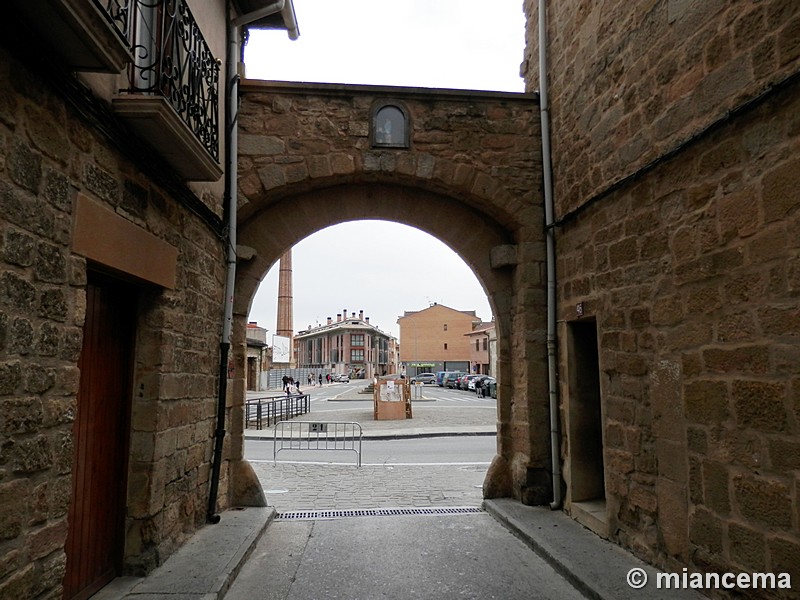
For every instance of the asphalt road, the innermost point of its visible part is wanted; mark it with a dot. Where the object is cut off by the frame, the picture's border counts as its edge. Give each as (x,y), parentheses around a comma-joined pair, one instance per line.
(456,450)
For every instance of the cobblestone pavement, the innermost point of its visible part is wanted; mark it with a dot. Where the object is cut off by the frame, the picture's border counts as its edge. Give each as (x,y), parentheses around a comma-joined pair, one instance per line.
(295,487)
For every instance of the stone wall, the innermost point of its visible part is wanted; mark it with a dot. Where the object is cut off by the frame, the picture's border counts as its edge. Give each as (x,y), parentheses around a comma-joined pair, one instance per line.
(631,81)
(689,269)
(471,177)
(693,276)
(50,156)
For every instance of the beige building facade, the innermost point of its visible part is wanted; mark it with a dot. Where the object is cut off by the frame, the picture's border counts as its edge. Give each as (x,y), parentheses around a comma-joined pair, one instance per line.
(480,348)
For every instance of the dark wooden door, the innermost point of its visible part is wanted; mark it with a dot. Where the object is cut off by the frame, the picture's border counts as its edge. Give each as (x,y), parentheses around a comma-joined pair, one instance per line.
(101,434)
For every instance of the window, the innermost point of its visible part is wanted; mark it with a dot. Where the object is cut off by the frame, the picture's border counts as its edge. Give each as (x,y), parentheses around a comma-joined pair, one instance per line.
(445,346)
(390,127)
(356,356)
(485,344)
(477,345)
(445,326)
(356,339)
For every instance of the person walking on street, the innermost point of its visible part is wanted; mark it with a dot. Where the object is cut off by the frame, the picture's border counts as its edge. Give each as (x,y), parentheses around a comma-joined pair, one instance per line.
(320,379)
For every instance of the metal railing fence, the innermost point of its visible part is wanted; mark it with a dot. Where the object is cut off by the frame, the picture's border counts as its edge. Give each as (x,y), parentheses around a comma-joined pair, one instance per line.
(264,412)
(308,435)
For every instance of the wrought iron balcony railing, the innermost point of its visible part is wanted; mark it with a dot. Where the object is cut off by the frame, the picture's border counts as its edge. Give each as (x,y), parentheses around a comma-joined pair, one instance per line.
(173,60)
(118,14)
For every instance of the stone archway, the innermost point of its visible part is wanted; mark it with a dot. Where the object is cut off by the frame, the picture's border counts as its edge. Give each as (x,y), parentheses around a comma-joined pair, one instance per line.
(469,177)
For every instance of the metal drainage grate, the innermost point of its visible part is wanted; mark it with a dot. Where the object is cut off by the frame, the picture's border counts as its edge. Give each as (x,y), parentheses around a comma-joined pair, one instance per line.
(310,515)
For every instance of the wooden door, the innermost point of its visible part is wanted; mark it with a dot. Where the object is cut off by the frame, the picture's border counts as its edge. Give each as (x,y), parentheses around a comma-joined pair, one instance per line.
(101,434)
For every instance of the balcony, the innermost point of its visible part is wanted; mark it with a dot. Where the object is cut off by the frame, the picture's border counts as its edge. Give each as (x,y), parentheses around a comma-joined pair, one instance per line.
(172,99)
(88,35)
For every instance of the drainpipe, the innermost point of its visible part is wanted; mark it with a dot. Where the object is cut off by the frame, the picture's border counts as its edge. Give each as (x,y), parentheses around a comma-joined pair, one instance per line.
(550,242)
(279,6)
(229,207)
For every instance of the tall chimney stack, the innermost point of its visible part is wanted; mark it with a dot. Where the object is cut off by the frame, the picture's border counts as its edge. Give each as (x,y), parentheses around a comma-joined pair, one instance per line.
(285,326)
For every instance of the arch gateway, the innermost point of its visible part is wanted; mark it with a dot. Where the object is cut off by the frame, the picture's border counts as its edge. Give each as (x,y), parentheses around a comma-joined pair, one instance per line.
(463,166)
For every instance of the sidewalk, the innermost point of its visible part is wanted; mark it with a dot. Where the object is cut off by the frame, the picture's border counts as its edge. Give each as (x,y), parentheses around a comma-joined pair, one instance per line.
(205,567)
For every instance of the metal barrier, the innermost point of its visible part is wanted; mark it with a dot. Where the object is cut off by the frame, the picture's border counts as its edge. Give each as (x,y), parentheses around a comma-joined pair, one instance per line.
(274,409)
(308,435)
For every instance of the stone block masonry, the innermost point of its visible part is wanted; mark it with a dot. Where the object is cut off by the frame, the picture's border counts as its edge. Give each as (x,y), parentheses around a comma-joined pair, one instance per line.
(469,174)
(49,158)
(691,275)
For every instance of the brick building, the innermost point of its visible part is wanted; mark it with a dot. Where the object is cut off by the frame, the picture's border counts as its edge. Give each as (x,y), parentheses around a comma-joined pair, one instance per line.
(480,347)
(433,339)
(349,346)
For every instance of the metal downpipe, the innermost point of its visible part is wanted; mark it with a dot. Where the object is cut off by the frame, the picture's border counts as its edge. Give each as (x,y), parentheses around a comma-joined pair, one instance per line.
(231,108)
(550,244)
(229,206)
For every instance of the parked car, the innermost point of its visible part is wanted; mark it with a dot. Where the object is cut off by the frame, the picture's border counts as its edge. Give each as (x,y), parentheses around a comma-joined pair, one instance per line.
(424,378)
(490,387)
(342,378)
(451,378)
(439,377)
(463,382)
(471,381)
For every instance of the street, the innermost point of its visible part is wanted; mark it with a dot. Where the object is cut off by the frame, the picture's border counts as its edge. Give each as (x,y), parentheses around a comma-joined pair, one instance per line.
(451,450)
(407,524)
(449,557)
(366,551)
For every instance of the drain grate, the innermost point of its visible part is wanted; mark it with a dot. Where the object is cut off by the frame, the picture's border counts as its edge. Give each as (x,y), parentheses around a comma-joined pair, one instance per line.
(311,515)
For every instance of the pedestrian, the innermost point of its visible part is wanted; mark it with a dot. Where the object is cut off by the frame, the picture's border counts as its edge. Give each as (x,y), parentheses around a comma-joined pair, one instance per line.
(320,380)
(310,379)
(328,377)
(297,387)
(285,382)
(479,386)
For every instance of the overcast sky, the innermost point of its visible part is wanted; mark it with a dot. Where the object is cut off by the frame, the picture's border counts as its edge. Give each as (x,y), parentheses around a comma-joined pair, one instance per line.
(420,43)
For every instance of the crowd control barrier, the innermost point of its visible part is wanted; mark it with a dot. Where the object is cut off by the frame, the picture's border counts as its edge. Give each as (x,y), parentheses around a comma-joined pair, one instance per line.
(308,435)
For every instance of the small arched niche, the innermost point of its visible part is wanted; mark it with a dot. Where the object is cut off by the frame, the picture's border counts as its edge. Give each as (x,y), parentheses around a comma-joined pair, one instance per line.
(390,127)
